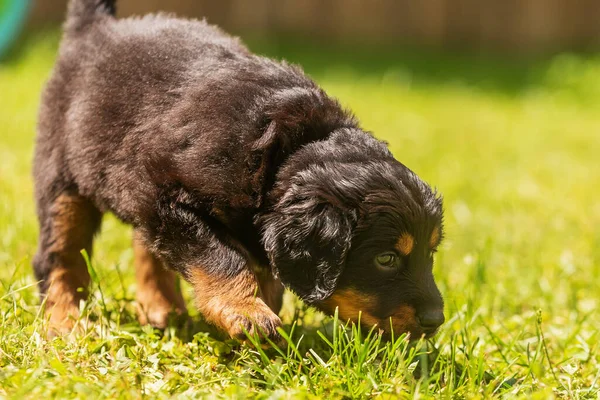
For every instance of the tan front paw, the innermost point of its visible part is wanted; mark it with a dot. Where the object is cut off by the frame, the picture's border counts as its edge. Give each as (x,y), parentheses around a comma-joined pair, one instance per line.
(258,320)
(159,312)
(63,319)
(234,304)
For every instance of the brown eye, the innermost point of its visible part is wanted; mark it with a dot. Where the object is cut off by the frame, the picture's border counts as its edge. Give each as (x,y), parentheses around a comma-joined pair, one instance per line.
(387,260)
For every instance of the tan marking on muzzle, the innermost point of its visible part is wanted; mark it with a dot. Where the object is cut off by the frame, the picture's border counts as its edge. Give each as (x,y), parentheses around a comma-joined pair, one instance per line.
(351,303)
(402,320)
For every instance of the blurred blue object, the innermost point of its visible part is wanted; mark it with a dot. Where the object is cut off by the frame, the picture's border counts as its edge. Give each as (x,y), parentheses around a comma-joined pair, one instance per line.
(12,18)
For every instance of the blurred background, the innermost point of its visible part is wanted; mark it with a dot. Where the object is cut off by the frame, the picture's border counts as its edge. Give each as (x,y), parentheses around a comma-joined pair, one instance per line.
(508,25)
(494,102)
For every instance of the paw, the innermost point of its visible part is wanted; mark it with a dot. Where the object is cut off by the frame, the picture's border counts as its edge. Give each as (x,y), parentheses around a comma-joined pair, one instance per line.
(261,322)
(160,314)
(63,320)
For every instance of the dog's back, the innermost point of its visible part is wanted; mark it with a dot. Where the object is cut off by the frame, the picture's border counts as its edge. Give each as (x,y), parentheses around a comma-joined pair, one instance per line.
(135,97)
(115,87)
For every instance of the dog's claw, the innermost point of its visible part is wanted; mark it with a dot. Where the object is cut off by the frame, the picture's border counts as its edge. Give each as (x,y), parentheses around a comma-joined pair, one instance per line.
(258,324)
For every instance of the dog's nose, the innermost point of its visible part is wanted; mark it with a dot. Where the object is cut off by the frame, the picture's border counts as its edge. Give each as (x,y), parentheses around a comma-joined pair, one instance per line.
(430,320)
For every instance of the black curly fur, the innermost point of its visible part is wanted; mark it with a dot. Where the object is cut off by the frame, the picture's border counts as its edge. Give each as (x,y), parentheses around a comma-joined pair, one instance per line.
(217,156)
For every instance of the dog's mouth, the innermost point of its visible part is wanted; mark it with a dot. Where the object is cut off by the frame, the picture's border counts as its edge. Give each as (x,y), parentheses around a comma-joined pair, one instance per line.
(414,333)
(360,309)
(428,334)
(419,325)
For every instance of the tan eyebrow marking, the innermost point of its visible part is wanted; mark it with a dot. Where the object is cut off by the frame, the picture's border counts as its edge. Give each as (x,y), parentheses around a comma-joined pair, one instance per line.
(436,235)
(405,243)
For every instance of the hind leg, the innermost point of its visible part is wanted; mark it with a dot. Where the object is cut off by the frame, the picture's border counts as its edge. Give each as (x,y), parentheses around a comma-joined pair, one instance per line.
(67,226)
(158,295)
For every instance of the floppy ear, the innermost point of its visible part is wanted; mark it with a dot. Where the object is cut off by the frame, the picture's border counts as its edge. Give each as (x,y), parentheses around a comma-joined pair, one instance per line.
(307,242)
(292,118)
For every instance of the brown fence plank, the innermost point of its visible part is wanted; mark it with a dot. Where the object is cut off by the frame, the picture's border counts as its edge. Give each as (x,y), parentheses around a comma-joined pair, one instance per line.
(509,25)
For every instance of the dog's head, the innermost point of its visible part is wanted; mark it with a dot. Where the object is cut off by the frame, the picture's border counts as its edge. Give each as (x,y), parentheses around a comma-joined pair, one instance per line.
(353,228)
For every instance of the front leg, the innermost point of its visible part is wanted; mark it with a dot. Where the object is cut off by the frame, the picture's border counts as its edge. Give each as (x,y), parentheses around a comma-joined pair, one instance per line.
(234,303)
(220,269)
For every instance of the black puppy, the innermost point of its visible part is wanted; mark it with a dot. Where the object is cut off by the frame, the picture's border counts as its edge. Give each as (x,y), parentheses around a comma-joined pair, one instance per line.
(236,171)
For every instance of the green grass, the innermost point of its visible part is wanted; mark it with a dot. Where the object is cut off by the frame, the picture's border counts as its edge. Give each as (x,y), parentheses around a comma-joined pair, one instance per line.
(512,145)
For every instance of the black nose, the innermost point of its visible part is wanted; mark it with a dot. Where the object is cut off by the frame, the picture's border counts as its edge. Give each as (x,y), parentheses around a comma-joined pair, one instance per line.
(430,320)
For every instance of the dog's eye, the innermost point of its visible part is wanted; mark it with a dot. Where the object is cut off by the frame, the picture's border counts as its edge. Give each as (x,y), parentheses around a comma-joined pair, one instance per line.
(387,260)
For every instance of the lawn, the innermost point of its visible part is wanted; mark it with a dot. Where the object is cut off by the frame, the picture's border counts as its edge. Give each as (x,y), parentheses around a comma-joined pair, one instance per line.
(512,145)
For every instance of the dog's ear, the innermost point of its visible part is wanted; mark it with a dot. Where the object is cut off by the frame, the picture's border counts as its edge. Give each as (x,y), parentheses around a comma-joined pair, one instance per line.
(292,118)
(296,116)
(307,238)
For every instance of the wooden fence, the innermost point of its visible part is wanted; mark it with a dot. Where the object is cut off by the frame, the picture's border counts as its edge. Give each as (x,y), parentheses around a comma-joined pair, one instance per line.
(507,25)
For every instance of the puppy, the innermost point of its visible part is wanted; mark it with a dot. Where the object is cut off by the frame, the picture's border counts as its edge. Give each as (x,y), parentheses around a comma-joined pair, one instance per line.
(236,171)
